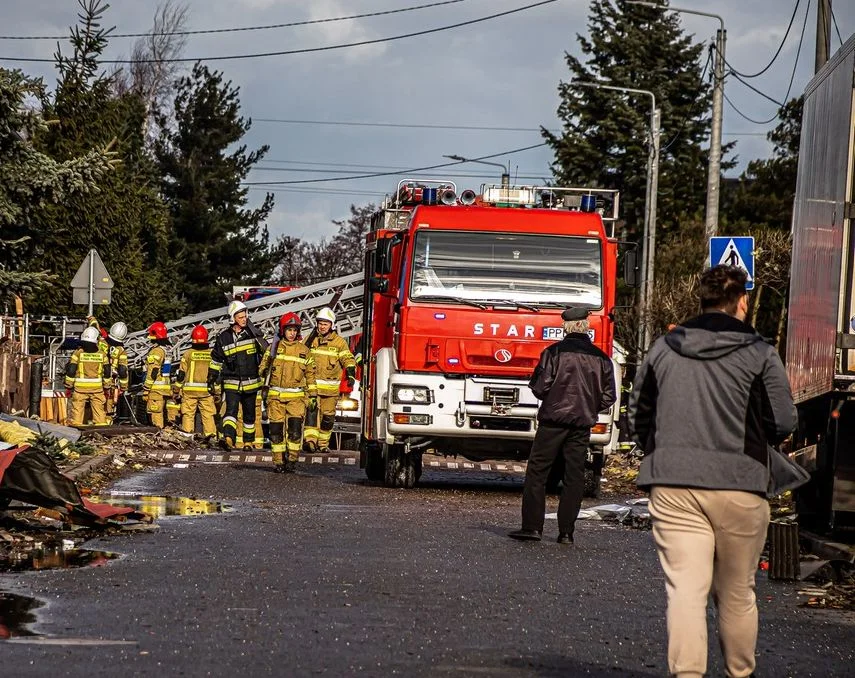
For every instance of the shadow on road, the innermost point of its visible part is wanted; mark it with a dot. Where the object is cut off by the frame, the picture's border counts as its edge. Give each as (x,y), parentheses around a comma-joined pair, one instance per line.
(557,665)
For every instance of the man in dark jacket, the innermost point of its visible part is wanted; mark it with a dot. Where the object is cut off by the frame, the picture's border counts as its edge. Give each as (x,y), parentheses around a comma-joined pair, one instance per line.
(235,358)
(709,399)
(575,381)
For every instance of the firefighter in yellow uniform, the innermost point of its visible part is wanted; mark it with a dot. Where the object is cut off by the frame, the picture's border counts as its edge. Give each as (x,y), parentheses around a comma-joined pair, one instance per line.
(158,367)
(192,384)
(117,356)
(288,369)
(331,355)
(85,376)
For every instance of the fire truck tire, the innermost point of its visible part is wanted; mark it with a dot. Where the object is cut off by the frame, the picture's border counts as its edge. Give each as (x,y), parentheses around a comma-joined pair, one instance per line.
(374,466)
(592,483)
(400,468)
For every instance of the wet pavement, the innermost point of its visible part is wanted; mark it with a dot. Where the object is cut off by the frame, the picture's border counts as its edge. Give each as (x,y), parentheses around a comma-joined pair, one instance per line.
(321,573)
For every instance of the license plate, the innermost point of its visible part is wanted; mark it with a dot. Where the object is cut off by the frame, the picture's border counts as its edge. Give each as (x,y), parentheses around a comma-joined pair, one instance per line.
(557,333)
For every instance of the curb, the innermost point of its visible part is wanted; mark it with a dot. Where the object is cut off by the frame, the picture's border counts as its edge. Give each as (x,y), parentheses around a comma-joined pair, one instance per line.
(88,465)
(828,550)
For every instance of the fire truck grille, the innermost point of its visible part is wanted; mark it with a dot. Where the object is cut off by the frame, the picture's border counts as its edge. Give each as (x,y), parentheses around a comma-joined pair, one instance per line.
(490,361)
(501,395)
(500,423)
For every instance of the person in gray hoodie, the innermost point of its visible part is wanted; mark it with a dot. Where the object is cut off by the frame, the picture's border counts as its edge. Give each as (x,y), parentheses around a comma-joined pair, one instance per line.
(709,400)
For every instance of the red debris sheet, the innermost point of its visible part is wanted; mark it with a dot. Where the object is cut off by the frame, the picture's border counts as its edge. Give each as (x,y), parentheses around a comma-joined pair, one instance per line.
(31,476)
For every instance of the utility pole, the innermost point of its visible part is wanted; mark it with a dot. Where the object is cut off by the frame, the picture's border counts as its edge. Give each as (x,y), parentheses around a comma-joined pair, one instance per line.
(650,244)
(823,33)
(714,168)
(651,194)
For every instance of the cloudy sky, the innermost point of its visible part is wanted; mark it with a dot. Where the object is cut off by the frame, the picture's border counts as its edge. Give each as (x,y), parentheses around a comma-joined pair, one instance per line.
(500,73)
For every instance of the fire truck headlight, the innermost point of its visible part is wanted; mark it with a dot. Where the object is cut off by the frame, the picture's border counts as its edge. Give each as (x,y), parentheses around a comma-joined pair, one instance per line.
(347,404)
(411,394)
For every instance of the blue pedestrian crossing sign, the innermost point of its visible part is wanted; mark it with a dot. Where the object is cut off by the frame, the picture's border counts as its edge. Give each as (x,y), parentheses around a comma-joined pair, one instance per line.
(734,251)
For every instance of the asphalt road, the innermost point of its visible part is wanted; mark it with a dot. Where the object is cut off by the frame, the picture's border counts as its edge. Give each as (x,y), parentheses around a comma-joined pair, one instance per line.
(323,574)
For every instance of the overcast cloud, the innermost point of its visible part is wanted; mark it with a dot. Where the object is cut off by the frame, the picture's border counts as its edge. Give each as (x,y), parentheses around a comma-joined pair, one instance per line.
(502,72)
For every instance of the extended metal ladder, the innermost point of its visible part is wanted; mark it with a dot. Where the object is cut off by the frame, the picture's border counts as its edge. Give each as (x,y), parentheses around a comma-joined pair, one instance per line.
(265,313)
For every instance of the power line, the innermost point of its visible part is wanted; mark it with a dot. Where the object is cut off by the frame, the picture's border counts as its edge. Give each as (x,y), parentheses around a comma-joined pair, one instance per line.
(305,50)
(789,87)
(834,20)
(350,123)
(245,28)
(777,52)
(467,128)
(692,110)
(387,174)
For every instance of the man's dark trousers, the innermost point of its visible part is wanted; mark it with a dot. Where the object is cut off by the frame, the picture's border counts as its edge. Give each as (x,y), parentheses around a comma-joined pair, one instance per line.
(549,442)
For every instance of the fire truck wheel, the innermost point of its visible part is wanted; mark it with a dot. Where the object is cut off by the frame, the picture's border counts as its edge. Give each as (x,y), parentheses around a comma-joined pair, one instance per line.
(592,483)
(374,467)
(400,468)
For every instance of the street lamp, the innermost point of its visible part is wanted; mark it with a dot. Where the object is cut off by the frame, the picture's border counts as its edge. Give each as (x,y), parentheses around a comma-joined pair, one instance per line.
(506,170)
(714,169)
(649,236)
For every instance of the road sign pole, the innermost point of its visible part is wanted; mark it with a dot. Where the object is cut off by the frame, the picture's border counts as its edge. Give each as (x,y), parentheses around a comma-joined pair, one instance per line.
(91,282)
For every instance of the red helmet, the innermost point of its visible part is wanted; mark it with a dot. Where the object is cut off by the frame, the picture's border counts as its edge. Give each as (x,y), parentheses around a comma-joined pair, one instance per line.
(289,320)
(199,335)
(103,332)
(157,331)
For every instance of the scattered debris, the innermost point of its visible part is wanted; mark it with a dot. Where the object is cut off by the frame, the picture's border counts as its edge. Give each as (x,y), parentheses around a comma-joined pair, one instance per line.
(620,472)
(29,475)
(633,512)
(834,584)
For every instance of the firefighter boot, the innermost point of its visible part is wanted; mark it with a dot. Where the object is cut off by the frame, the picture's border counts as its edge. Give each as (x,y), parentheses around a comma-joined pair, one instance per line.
(277,445)
(295,435)
(327,423)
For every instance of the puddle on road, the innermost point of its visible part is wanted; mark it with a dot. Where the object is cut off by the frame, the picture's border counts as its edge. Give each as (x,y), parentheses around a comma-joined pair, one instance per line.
(159,506)
(55,558)
(16,613)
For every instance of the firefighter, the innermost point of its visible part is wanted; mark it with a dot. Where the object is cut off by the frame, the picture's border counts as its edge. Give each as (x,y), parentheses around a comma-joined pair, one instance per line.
(289,372)
(331,355)
(234,363)
(192,386)
(86,375)
(92,321)
(118,359)
(158,368)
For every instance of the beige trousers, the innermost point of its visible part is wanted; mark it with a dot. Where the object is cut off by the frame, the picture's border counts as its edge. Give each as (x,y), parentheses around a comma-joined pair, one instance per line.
(709,541)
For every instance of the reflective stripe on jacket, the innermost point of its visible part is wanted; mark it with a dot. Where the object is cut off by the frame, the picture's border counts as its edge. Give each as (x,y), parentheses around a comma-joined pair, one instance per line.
(193,371)
(331,355)
(235,359)
(87,372)
(157,370)
(292,371)
(117,356)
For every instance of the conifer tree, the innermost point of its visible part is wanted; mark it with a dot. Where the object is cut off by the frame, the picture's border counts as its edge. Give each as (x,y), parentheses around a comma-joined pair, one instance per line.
(217,240)
(32,183)
(125,220)
(605,134)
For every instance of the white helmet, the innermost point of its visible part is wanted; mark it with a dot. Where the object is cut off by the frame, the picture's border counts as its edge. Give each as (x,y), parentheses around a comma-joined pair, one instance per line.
(118,331)
(91,335)
(326,313)
(234,308)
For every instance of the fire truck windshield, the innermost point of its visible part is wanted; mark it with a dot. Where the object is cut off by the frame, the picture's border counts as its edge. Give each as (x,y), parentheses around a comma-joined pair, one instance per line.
(473,266)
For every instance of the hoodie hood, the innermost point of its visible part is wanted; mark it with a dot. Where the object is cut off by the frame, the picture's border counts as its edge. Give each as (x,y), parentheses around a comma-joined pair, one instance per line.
(711,336)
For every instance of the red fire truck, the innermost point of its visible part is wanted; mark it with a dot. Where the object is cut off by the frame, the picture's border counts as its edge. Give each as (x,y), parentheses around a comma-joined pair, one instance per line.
(463,291)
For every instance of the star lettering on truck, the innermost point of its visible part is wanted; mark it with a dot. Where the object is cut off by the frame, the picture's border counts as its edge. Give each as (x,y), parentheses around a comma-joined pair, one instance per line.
(496,330)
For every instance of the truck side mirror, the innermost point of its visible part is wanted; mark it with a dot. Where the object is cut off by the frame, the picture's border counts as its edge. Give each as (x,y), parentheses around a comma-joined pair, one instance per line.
(630,267)
(379,285)
(382,256)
